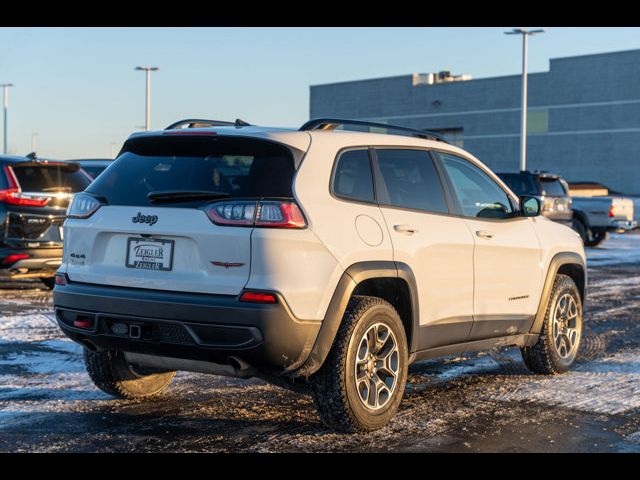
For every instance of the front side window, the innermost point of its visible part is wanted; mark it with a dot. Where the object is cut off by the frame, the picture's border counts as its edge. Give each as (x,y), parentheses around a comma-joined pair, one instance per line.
(411,179)
(353,179)
(478,194)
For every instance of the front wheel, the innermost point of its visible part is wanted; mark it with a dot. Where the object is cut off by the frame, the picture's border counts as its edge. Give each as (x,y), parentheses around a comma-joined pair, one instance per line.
(559,340)
(112,374)
(596,238)
(361,383)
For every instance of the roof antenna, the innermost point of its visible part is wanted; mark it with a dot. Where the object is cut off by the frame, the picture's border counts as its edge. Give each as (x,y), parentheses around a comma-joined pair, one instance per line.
(241,123)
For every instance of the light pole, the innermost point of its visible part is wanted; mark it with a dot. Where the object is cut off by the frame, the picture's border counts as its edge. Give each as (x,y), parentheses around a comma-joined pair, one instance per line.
(33,141)
(148,71)
(523,124)
(5,103)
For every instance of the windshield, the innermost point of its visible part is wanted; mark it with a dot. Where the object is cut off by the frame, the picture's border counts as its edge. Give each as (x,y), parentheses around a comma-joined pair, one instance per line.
(235,167)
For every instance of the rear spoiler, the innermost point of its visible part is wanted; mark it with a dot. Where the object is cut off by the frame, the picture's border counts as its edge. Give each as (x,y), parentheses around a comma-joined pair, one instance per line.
(71,166)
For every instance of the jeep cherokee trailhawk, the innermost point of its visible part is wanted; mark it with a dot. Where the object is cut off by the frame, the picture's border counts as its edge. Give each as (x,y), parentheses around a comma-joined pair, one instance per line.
(320,258)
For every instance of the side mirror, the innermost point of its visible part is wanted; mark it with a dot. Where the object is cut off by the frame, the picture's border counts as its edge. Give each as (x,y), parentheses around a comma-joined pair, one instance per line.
(529,206)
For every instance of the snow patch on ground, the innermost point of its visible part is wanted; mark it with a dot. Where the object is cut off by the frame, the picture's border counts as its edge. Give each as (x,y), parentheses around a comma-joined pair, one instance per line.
(606,385)
(619,248)
(29,328)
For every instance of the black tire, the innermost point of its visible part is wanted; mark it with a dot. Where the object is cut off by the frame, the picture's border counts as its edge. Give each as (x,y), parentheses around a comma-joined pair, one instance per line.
(595,238)
(543,357)
(580,227)
(112,374)
(334,385)
(50,282)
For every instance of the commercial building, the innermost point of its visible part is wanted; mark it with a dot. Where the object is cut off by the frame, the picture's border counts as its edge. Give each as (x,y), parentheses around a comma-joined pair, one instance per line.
(583,118)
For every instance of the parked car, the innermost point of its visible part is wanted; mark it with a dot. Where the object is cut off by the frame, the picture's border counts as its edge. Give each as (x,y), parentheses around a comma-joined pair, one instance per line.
(548,188)
(315,258)
(592,218)
(34,195)
(93,166)
(595,189)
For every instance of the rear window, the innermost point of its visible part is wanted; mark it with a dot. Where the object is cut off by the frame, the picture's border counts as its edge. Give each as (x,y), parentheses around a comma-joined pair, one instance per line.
(239,167)
(520,184)
(50,178)
(93,171)
(552,188)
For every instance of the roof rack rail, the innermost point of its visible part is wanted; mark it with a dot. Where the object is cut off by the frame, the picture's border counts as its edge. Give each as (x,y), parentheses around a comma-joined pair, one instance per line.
(333,123)
(199,123)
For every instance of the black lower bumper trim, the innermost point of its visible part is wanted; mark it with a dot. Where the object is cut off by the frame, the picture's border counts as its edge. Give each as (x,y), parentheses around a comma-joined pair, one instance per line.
(184,325)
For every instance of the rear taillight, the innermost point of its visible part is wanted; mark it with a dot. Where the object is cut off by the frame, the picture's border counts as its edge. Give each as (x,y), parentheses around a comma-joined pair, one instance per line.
(83,205)
(611,214)
(11,259)
(263,213)
(14,196)
(258,297)
(61,279)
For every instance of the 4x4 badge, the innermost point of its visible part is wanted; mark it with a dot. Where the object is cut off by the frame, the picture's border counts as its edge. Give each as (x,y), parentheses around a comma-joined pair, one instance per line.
(150,219)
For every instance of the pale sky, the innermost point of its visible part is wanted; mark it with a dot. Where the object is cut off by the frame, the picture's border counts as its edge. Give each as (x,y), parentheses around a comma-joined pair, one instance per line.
(77,88)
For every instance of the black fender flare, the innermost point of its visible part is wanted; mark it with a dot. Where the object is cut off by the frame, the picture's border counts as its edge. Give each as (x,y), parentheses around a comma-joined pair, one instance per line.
(559,260)
(352,276)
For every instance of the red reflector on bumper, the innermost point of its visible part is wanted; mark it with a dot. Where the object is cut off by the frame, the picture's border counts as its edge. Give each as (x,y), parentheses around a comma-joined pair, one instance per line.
(82,323)
(258,297)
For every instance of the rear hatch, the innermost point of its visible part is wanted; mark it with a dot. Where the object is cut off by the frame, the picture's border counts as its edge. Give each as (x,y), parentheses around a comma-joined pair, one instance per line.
(36,198)
(177,213)
(557,202)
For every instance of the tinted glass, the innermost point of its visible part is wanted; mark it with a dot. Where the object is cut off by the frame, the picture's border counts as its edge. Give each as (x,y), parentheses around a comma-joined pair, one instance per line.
(50,178)
(478,194)
(94,171)
(520,184)
(239,167)
(353,177)
(552,188)
(411,179)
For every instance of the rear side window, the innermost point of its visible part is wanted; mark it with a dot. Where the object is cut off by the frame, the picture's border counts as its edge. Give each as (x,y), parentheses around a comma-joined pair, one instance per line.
(238,167)
(50,178)
(552,188)
(353,179)
(520,184)
(411,179)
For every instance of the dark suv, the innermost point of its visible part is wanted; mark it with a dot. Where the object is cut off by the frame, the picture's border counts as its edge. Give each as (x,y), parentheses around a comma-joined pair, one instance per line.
(550,189)
(34,195)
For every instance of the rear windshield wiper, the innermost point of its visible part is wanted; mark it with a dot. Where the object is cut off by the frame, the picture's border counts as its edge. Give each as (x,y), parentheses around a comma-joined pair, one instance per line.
(178,195)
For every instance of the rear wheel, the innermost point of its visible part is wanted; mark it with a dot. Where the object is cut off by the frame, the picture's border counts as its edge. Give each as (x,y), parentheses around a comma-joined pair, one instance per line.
(361,383)
(596,238)
(559,340)
(50,282)
(112,374)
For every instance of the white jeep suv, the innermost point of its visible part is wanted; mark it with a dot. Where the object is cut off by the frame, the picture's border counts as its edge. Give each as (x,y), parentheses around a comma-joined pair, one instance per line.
(318,258)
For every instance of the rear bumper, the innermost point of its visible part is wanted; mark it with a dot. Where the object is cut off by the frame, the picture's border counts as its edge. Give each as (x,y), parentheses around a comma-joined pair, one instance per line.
(624,224)
(185,325)
(42,262)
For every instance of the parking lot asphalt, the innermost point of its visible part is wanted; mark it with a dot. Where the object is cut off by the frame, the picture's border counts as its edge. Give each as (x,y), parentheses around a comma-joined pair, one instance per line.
(486,402)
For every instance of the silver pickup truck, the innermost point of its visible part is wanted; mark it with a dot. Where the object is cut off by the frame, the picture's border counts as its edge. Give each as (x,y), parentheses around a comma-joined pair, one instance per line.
(597,211)
(592,216)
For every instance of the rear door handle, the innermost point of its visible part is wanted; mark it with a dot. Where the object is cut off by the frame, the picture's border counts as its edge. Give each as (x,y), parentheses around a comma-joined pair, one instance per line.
(406,229)
(484,234)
